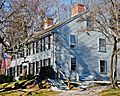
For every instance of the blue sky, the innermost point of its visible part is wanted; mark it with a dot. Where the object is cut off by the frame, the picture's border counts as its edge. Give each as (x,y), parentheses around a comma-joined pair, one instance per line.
(73,1)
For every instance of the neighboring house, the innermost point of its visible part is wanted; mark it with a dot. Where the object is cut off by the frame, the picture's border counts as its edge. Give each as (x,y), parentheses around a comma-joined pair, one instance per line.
(66,46)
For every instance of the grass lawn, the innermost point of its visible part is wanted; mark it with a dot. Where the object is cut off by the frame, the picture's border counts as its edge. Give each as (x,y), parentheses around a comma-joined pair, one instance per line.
(46,93)
(3,85)
(25,92)
(110,92)
(43,92)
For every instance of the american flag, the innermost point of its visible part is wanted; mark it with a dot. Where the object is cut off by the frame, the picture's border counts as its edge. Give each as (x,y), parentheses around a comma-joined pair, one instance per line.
(6,60)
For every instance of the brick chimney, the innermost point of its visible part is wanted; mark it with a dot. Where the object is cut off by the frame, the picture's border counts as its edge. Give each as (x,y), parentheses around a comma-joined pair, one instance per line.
(76,9)
(48,22)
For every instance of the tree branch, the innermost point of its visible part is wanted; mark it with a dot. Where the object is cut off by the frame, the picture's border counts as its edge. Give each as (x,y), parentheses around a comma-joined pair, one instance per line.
(2,4)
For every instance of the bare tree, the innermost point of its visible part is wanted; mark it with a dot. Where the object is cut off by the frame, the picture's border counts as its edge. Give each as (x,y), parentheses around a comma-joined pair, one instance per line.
(5,15)
(21,18)
(105,16)
(29,17)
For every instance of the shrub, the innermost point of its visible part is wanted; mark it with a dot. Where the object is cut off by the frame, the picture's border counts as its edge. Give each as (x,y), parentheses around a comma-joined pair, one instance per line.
(47,72)
(6,79)
(27,77)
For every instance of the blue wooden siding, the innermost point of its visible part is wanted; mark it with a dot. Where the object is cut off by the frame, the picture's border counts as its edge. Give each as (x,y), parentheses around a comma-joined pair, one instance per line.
(86,51)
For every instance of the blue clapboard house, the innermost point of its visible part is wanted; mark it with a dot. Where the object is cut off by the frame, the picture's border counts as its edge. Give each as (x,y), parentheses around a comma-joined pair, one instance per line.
(78,54)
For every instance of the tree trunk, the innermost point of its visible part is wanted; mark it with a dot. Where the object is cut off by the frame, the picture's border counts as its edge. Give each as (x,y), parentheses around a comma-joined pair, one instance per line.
(111,68)
(113,64)
(1,70)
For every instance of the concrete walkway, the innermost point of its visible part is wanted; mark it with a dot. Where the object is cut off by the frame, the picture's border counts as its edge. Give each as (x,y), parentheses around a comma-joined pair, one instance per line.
(93,91)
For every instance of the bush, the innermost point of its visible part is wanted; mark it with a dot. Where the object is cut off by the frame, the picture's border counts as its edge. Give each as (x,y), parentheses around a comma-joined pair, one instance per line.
(27,77)
(6,79)
(47,72)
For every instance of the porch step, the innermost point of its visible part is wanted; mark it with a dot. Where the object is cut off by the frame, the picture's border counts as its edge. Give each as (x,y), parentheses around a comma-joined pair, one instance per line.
(58,83)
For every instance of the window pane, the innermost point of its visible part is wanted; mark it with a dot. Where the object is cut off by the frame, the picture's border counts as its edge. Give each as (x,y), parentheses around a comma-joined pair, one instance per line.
(89,23)
(73,67)
(72,39)
(72,46)
(73,60)
(102,69)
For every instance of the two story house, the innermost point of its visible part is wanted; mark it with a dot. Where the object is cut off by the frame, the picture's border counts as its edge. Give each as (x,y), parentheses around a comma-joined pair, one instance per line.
(66,46)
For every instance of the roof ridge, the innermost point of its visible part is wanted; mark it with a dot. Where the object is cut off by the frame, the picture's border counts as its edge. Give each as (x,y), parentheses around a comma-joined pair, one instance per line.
(38,33)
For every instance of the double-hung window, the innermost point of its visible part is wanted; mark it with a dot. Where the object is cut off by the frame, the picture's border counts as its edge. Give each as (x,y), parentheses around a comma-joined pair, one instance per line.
(44,47)
(72,41)
(102,45)
(23,51)
(37,46)
(102,66)
(41,63)
(33,47)
(49,41)
(46,43)
(88,23)
(37,67)
(73,64)
(27,49)
(31,68)
(40,45)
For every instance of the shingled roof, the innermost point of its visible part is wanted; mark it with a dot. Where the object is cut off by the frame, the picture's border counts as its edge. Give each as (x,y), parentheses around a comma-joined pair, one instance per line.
(41,33)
